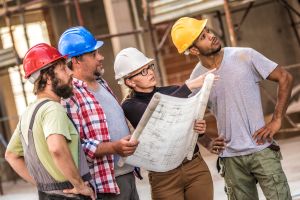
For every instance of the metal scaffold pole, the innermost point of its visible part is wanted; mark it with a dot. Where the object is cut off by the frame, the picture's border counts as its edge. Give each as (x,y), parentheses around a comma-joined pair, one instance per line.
(229,24)
(8,24)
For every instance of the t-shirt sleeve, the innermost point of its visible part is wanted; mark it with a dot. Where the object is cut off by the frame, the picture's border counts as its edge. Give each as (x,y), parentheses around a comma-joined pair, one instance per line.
(55,121)
(15,145)
(262,66)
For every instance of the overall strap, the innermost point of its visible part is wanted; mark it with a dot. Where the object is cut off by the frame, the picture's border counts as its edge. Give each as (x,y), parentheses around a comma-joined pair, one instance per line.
(35,111)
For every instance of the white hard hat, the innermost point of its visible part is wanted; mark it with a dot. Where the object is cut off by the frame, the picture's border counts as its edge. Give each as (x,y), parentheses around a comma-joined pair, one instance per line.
(127,61)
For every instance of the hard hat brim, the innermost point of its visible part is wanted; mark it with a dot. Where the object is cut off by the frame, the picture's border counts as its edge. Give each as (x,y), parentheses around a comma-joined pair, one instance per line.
(99,44)
(149,60)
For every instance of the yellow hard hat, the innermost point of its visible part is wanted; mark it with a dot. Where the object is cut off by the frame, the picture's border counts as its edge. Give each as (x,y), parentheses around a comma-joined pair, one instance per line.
(185,31)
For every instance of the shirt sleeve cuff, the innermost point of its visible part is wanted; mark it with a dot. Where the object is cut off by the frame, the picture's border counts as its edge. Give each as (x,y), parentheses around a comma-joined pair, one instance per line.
(90,147)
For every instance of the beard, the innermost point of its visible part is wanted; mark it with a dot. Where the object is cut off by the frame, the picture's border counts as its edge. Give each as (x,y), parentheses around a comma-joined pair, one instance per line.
(99,73)
(62,90)
(210,52)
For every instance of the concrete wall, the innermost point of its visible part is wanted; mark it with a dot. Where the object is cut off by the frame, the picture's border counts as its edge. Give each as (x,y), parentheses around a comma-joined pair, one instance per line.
(268,30)
(8,114)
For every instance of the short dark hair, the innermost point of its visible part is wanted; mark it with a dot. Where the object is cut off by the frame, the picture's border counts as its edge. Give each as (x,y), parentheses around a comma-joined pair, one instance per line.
(69,62)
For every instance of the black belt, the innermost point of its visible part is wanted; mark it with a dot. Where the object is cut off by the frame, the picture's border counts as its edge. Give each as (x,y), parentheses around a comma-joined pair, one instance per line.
(274,147)
(193,157)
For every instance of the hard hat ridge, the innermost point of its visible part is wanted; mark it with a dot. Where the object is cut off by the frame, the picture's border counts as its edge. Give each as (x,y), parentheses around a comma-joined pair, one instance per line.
(128,60)
(40,57)
(185,31)
(76,41)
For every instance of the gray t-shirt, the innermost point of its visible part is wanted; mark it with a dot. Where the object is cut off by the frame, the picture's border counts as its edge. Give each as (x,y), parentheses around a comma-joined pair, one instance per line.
(117,126)
(235,99)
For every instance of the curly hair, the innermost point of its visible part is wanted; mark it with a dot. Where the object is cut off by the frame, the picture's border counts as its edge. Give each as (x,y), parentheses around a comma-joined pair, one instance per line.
(41,82)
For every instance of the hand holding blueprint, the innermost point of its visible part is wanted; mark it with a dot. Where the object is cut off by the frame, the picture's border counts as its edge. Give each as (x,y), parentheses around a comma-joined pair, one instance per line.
(165,131)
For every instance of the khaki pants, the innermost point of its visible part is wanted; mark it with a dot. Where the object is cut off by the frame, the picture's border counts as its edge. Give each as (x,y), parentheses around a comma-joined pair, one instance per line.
(242,173)
(190,181)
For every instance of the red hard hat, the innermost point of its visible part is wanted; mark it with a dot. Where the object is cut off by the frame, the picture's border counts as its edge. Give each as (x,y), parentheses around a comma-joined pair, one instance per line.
(38,57)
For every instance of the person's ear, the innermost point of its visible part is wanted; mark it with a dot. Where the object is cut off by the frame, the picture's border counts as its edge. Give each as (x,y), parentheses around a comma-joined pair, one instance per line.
(194,51)
(74,60)
(49,81)
(130,83)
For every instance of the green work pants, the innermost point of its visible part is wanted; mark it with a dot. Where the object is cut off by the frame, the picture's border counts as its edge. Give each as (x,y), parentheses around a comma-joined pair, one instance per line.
(241,174)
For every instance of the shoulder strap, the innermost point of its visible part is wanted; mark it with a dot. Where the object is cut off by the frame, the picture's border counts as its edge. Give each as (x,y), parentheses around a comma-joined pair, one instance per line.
(35,111)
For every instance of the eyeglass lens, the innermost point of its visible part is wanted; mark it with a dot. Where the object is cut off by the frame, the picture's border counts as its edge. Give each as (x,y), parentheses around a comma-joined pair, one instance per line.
(144,72)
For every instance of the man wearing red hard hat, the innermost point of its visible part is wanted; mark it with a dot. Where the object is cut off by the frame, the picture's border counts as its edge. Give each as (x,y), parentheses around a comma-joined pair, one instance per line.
(45,147)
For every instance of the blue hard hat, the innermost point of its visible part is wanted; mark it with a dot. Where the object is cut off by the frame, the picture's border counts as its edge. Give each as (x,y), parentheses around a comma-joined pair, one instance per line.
(76,41)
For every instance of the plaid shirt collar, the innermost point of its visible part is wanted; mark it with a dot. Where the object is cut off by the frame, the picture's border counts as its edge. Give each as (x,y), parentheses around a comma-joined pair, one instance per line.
(101,81)
(79,83)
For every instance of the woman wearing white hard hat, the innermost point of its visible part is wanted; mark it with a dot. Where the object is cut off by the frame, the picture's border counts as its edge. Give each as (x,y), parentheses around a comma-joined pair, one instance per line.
(192,178)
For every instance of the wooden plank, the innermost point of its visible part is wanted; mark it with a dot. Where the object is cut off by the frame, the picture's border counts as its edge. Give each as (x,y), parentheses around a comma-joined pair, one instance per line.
(8,58)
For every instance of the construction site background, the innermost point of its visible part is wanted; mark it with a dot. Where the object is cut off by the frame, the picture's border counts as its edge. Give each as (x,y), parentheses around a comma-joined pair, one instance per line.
(272,27)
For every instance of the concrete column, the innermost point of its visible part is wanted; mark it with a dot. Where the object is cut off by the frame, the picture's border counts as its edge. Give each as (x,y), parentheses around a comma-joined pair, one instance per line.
(8,102)
(119,20)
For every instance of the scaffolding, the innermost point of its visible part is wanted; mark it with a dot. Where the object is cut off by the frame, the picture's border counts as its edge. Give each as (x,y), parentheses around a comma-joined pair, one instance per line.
(168,11)
(155,13)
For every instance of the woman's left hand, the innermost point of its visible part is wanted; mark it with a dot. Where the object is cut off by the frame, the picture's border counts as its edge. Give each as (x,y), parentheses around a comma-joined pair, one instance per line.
(200,126)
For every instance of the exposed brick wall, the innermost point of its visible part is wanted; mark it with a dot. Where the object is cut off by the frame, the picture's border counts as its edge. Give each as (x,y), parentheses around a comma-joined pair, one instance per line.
(178,66)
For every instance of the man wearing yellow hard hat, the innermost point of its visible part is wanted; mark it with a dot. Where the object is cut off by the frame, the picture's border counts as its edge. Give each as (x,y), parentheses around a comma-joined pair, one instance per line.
(251,154)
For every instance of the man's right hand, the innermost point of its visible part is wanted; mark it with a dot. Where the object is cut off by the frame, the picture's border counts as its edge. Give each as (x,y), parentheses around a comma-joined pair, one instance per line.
(124,147)
(217,145)
(83,189)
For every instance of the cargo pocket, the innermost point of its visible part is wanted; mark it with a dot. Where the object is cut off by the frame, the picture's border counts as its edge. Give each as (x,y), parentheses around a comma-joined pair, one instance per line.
(220,166)
(282,187)
(230,193)
(278,155)
(229,185)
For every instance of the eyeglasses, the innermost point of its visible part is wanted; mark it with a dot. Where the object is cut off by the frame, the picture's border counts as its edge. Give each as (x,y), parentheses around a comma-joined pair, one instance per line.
(144,71)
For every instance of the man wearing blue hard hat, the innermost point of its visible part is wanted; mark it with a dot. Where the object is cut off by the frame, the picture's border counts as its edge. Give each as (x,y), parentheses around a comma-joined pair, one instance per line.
(98,116)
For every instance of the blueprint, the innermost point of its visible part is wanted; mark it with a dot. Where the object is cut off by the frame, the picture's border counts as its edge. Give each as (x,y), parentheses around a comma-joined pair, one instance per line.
(165,132)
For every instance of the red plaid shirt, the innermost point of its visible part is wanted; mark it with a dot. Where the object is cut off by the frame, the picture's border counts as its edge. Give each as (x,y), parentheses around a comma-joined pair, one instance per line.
(90,121)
